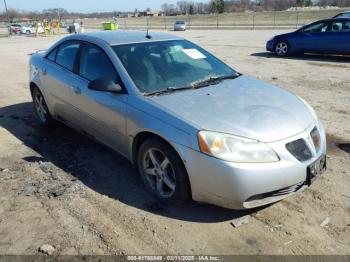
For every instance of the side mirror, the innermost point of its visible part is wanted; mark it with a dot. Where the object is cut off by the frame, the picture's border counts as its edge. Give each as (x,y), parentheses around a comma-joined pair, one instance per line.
(105,84)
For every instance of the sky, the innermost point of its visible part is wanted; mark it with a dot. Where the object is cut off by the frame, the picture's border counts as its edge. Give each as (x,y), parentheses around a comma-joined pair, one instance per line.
(86,6)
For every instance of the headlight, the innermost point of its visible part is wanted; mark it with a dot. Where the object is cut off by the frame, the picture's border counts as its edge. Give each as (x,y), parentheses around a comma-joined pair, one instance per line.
(235,149)
(312,111)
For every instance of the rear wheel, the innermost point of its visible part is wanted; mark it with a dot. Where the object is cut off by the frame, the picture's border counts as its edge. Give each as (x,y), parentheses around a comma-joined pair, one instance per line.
(28,32)
(282,48)
(163,172)
(40,107)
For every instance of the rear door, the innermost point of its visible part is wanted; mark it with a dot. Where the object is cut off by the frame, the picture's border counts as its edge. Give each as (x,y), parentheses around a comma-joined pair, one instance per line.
(101,114)
(58,79)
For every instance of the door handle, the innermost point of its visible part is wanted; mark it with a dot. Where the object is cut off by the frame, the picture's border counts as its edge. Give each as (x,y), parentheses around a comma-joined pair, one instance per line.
(76,90)
(44,72)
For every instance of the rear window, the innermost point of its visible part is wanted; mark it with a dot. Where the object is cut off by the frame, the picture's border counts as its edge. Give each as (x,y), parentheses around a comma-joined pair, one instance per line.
(180,22)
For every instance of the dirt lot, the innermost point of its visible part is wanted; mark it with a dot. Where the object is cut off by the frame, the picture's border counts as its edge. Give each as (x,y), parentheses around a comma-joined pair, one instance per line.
(59,188)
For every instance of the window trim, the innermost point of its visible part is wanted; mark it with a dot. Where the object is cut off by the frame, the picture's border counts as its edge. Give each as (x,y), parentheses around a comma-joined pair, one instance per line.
(77,63)
(58,48)
(326,23)
(53,50)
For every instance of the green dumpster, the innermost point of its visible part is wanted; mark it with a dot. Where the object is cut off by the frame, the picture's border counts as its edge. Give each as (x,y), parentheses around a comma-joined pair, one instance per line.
(109,26)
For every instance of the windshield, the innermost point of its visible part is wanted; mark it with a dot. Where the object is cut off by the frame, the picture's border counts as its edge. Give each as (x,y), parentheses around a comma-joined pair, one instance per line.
(180,22)
(174,64)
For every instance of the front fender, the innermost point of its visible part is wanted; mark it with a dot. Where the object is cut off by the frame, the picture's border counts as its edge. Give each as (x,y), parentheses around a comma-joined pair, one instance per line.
(143,116)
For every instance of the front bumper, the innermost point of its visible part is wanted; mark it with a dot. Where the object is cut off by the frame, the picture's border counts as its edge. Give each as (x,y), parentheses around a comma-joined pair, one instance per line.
(269,45)
(179,28)
(248,185)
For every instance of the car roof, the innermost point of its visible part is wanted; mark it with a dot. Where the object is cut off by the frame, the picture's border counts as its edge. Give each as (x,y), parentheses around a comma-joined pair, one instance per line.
(329,20)
(120,37)
(342,13)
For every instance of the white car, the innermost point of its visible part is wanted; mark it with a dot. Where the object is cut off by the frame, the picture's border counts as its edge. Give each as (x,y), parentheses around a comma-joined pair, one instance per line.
(30,29)
(180,26)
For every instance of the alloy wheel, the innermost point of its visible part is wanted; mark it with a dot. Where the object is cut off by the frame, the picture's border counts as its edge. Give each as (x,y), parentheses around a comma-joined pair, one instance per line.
(281,49)
(159,173)
(40,107)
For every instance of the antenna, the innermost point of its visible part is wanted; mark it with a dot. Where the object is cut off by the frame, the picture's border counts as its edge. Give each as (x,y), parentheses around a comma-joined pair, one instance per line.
(148,36)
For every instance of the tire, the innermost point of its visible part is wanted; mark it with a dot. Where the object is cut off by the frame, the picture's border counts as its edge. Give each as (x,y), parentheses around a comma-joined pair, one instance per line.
(41,109)
(28,32)
(163,172)
(282,48)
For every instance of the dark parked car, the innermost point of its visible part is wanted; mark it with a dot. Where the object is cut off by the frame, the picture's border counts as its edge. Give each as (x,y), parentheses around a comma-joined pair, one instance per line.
(343,15)
(325,36)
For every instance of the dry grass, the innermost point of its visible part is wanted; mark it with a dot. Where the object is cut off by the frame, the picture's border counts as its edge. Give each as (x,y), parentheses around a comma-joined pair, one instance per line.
(287,19)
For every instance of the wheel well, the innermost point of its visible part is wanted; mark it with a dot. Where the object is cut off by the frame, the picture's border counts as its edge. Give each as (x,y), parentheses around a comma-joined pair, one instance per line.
(139,139)
(142,137)
(281,40)
(32,86)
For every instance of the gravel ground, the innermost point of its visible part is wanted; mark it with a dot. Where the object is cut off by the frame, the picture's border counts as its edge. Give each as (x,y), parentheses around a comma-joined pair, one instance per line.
(61,189)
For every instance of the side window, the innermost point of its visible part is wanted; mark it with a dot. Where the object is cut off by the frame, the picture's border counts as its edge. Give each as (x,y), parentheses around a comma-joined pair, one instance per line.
(66,54)
(346,26)
(336,26)
(95,64)
(316,28)
(52,55)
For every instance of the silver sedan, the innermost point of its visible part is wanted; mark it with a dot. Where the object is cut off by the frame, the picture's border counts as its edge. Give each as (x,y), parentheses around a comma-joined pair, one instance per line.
(195,127)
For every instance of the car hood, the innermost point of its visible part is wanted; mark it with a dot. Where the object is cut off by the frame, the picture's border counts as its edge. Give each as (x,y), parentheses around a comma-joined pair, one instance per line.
(243,106)
(288,34)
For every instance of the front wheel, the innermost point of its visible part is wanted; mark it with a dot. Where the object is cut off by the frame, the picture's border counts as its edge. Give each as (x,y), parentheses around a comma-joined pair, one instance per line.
(163,172)
(282,48)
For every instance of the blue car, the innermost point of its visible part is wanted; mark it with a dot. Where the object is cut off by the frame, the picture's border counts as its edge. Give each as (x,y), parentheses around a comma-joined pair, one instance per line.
(330,36)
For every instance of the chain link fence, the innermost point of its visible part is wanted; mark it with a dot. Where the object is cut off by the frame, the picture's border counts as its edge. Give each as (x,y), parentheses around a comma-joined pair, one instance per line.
(243,20)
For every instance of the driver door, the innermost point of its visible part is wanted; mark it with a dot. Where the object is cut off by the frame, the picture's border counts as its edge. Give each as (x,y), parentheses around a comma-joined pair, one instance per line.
(101,114)
(315,38)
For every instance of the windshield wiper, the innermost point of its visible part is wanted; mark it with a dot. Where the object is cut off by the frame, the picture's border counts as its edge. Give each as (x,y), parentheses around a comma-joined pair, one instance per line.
(214,80)
(166,90)
(195,85)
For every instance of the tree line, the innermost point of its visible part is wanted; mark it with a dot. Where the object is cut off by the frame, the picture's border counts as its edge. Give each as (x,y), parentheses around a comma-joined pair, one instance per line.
(221,6)
(180,8)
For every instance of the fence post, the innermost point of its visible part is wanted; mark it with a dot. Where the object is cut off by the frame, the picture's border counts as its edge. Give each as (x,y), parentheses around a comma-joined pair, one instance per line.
(217,21)
(253,20)
(297,24)
(233,20)
(165,23)
(147,23)
(274,19)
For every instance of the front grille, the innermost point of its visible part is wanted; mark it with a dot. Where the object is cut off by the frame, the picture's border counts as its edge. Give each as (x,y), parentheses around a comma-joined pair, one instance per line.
(299,150)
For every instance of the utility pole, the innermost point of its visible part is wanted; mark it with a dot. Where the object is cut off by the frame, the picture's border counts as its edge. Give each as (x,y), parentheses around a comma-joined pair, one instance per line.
(8,18)
(7,13)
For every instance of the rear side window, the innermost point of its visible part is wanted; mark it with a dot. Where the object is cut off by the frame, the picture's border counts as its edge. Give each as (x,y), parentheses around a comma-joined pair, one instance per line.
(95,64)
(346,26)
(66,54)
(52,55)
